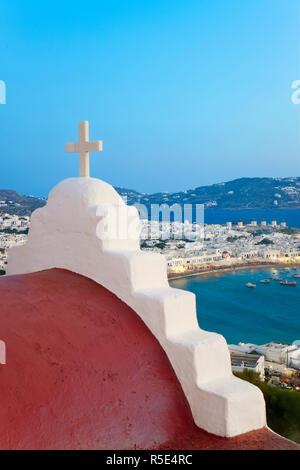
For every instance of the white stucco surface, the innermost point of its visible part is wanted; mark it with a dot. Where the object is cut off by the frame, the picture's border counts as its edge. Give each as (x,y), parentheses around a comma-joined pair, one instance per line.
(70,232)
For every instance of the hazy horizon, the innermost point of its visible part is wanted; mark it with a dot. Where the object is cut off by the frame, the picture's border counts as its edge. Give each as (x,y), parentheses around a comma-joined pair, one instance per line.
(163,191)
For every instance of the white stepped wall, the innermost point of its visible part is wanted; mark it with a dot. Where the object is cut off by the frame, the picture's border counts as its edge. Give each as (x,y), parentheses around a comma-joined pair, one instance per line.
(65,234)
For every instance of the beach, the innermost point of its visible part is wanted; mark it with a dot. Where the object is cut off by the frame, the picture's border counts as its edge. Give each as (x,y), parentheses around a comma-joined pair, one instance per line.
(233,267)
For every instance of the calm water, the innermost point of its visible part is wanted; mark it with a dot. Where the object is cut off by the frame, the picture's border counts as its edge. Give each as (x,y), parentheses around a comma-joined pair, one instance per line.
(221,216)
(270,312)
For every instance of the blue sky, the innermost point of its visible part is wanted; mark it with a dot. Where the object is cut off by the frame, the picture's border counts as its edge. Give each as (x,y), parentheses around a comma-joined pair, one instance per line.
(182,93)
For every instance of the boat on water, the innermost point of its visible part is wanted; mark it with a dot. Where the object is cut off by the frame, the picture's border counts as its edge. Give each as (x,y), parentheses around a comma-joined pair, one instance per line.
(277,278)
(296,275)
(265,281)
(288,283)
(249,284)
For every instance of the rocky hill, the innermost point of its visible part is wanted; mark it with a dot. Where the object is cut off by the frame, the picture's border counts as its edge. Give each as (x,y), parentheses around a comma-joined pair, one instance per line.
(242,193)
(12,202)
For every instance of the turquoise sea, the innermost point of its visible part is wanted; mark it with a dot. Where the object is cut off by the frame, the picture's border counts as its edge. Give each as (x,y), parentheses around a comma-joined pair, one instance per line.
(270,312)
(221,216)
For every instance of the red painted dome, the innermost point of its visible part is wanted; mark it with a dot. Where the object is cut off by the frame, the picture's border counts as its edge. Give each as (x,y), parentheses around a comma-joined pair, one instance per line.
(84,372)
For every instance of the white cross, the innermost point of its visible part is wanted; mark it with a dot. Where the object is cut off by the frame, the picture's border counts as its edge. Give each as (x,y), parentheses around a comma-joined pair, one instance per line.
(83,147)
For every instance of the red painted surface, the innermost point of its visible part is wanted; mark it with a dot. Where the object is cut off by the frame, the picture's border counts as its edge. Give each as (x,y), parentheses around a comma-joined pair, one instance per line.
(84,372)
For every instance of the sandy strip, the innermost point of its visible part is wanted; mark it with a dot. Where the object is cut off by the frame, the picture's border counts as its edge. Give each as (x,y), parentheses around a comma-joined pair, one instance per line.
(233,268)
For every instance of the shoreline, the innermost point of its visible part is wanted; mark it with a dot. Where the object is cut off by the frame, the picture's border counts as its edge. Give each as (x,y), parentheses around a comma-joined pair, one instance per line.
(232,268)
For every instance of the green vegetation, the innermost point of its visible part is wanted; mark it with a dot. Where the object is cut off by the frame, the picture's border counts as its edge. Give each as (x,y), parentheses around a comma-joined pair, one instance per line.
(288,231)
(283,406)
(2,272)
(161,245)
(258,233)
(2,250)
(265,241)
(232,239)
(14,231)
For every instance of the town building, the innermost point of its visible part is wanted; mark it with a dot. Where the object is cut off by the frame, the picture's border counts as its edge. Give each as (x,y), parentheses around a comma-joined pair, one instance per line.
(241,361)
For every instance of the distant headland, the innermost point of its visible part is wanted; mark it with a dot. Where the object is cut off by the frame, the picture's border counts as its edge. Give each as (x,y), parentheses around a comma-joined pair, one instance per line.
(242,193)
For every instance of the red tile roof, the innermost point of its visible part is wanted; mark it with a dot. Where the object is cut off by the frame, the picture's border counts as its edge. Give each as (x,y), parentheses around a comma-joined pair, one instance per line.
(84,372)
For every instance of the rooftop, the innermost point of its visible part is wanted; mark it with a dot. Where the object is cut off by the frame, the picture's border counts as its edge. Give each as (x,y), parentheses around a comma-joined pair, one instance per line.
(84,371)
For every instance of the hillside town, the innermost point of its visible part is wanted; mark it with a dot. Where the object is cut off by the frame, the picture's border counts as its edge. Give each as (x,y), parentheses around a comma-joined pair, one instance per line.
(13,231)
(277,364)
(190,249)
